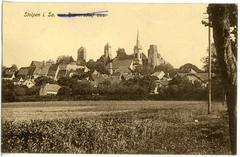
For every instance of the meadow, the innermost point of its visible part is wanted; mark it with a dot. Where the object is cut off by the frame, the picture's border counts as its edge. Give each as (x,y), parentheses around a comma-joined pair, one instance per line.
(135,127)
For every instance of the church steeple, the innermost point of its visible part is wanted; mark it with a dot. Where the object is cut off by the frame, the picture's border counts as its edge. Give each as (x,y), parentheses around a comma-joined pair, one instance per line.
(137,42)
(137,51)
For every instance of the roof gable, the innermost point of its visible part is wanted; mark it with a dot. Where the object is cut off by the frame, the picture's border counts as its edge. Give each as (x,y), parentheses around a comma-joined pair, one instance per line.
(44,69)
(24,71)
(121,65)
(52,70)
(37,63)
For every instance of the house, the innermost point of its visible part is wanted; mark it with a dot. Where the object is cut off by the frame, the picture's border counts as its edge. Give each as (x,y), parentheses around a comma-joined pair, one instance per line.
(25,72)
(62,70)
(159,84)
(49,89)
(189,68)
(121,65)
(97,78)
(44,70)
(41,68)
(193,77)
(72,69)
(116,77)
(9,73)
(73,66)
(128,76)
(53,71)
(8,76)
(38,67)
(29,83)
(86,69)
(158,74)
(37,63)
(18,81)
(200,77)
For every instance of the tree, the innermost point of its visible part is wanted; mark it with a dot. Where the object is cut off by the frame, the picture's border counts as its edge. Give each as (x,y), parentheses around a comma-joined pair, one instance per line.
(64,91)
(8,93)
(66,81)
(215,65)
(91,65)
(33,90)
(81,75)
(43,80)
(144,83)
(14,67)
(20,90)
(82,88)
(100,65)
(224,23)
(63,81)
(3,67)
(218,92)
(64,60)
(165,67)
(121,52)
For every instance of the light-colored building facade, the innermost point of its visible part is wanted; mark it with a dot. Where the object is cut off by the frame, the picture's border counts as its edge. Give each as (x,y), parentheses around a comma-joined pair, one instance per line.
(49,89)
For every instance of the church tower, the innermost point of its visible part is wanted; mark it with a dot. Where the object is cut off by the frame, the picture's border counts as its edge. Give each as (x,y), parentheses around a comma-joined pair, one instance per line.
(137,59)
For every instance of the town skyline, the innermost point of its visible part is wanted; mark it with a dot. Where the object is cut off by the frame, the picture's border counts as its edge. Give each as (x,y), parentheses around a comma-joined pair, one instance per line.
(184,35)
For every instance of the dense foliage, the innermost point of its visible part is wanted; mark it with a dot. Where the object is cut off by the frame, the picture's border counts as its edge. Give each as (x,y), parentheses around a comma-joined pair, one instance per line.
(223,20)
(136,88)
(165,67)
(187,68)
(43,80)
(8,93)
(218,92)
(64,59)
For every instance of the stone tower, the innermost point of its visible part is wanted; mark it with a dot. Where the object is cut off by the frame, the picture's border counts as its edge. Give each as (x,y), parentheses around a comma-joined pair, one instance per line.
(81,56)
(137,59)
(153,56)
(107,51)
(108,57)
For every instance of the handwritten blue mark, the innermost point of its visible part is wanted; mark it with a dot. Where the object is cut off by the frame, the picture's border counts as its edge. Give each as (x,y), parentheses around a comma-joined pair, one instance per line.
(97,14)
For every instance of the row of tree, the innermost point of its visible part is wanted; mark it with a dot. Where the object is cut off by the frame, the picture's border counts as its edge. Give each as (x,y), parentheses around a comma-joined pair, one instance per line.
(138,86)
(223,20)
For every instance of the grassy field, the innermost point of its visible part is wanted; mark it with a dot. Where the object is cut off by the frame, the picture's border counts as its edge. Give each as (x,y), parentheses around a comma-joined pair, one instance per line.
(158,127)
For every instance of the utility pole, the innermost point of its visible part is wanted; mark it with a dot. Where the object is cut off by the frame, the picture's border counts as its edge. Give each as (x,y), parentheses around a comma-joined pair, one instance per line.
(210,69)
(209,64)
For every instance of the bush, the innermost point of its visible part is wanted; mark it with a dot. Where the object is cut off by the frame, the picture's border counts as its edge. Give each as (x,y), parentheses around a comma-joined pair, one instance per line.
(43,80)
(183,89)
(8,93)
(20,91)
(64,91)
(33,90)
(82,88)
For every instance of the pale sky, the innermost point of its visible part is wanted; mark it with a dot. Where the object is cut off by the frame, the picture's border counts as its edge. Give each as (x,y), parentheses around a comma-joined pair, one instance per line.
(176,29)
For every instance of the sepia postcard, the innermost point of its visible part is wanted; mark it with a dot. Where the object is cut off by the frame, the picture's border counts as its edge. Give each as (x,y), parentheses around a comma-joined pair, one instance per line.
(119,78)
